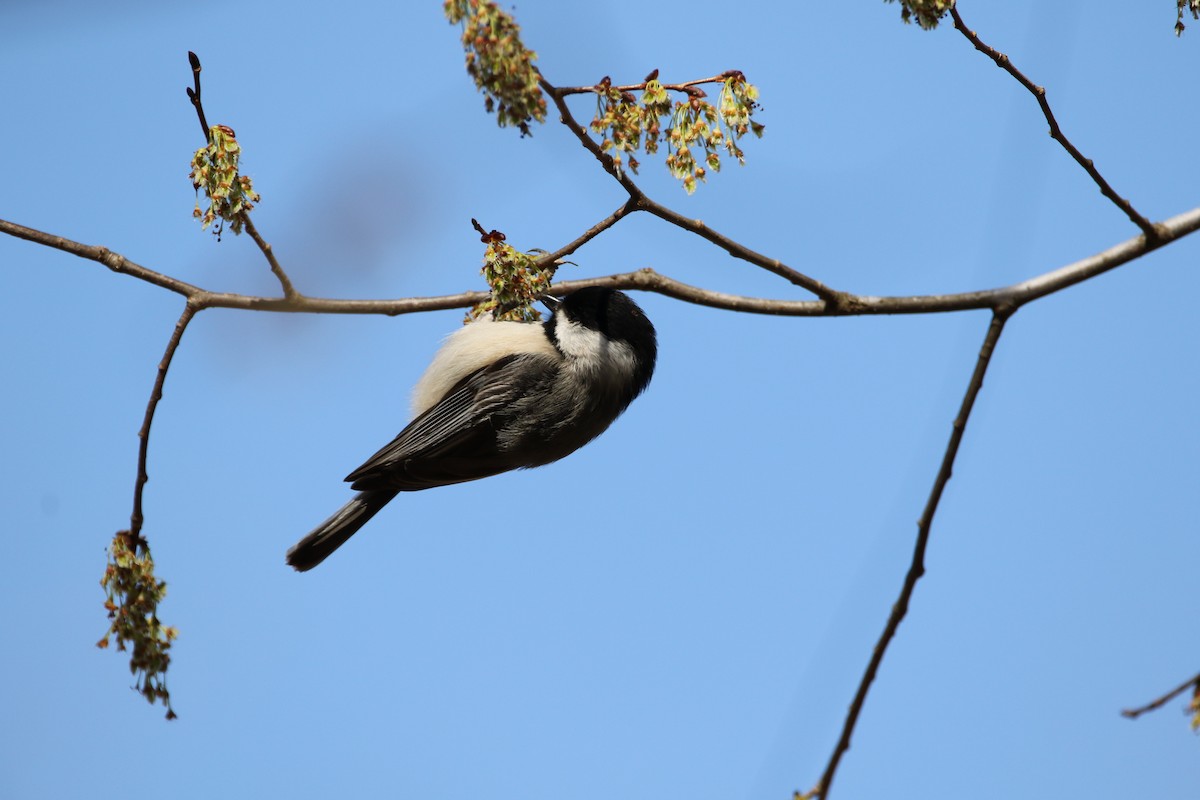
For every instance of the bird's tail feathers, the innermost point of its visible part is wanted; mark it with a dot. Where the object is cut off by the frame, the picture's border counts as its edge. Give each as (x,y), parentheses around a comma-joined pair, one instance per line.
(335,531)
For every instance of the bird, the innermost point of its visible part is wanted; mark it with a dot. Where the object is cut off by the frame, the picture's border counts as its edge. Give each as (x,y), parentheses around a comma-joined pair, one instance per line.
(500,396)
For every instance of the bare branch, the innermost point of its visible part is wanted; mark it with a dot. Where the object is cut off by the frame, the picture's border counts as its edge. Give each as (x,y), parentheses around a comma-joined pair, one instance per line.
(1039,92)
(194,93)
(591,233)
(289,290)
(114,261)
(1134,713)
(648,280)
(832,297)
(917,567)
(136,518)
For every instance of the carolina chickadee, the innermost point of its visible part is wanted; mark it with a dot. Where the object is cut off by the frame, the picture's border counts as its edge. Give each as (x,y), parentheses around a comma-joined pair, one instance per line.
(501,396)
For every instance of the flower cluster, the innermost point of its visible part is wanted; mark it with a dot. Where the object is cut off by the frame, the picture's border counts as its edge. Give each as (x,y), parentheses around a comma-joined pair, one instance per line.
(498,61)
(516,280)
(694,122)
(926,12)
(133,594)
(215,170)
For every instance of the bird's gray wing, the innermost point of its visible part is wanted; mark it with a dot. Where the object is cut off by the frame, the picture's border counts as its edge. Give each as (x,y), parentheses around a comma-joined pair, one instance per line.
(455,439)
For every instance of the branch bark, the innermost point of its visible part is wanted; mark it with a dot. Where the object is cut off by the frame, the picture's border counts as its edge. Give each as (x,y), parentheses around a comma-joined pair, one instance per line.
(1134,713)
(688,87)
(917,567)
(136,518)
(289,291)
(648,280)
(1039,93)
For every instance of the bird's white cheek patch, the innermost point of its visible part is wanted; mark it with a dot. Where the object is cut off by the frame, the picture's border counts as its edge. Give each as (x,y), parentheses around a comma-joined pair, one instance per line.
(594,352)
(579,342)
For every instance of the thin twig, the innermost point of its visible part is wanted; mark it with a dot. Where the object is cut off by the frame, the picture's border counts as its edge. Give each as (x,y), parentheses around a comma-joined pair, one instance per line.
(591,233)
(289,291)
(917,567)
(1134,713)
(114,261)
(194,93)
(686,86)
(648,280)
(641,202)
(1039,92)
(834,299)
(136,518)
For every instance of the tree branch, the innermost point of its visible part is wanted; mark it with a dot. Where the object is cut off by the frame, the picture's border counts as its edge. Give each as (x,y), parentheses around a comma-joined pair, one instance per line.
(591,233)
(289,291)
(136,518)
(193,93)
(648,280)
(1134,713)
(917,567)
(686,87)
(1039,92)
(114,261)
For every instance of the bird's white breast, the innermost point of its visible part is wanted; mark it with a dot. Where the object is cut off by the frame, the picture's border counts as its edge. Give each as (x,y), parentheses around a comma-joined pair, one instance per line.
(473,347)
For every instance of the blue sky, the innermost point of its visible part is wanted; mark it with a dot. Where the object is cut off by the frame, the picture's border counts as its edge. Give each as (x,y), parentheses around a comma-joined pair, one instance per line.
(683,608)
